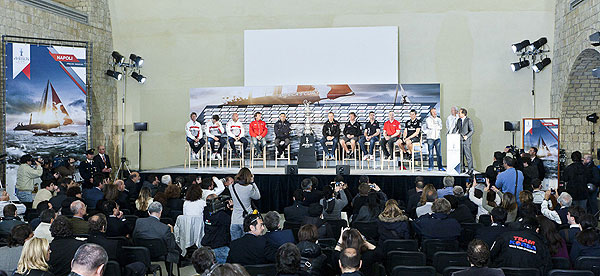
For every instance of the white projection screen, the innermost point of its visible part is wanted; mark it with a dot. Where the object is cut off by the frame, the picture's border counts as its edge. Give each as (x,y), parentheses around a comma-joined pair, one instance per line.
(362,55)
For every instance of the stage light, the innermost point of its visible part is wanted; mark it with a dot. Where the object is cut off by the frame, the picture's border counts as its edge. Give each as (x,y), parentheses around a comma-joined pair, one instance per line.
(595,39)
(114,74)
(519,65)
(137,60)
(538,43)
(118,57)
(520,46)
(593,118)
(138,77)
(538,67)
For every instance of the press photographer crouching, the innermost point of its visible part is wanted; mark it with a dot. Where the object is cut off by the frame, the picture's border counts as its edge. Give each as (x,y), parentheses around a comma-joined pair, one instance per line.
(217,219)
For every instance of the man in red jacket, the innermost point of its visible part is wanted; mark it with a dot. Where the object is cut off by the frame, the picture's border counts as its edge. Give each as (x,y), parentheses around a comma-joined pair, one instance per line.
(258,132)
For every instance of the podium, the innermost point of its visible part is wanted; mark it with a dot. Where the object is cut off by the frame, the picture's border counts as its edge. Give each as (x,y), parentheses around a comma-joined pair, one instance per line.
(453,157)
(307,155)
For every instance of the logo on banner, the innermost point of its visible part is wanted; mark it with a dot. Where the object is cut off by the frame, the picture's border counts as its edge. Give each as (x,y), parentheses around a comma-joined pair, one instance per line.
(21,60)
(64,57)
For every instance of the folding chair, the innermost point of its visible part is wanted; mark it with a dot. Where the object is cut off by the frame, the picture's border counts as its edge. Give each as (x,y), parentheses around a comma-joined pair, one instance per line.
(442,260)
(261,270)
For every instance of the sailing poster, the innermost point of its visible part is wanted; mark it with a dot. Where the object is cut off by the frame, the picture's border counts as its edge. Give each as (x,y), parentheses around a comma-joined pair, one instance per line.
(45,102)
(544,135)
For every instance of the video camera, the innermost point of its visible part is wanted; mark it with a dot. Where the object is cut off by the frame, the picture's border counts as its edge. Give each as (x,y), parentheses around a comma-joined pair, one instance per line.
(218,204)
(514,150)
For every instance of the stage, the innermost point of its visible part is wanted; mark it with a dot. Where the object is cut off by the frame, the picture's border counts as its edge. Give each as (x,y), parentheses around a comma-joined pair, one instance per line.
(276,187)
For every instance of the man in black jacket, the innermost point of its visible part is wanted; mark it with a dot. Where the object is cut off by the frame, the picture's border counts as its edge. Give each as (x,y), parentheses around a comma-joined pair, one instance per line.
(523,248)
(98,236)
(491,172)
(131,184)
(102,162)
(537,162)
(459,212)
(576,181)
(352,133)
(216,230)
(414,198)
(489,234)
(296,213)
(282,133)
(311,194)
(252,248)
(592,175)
(116,225)
(331,133)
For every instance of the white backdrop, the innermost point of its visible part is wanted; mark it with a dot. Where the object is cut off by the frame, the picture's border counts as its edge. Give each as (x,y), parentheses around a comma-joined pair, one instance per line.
(362,55)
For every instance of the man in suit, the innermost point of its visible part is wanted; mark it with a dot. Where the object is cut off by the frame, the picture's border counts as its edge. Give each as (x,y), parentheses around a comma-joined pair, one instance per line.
(116,225)
(574,218)
(252,248)
(537,162)
(95,194)
(296,213)
(414,198)
(87,169)
(89,259)
(311,195)
(464,127)
(10,219)
(80,226)
(98,236)
(102,162)
(152,228)
(489,234)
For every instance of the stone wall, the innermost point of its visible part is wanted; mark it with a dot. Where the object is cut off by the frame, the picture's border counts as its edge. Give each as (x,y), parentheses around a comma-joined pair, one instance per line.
(575,92)
(19,19)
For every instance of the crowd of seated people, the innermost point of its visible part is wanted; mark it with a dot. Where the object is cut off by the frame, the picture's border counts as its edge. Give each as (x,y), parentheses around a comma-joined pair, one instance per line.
(506,224)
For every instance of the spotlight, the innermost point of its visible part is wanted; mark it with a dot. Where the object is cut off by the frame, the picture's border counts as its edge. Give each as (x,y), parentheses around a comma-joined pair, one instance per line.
(593,118)
(137,60)
(538,67)
(118,57)
(520,46)
(595,39)
(519,65)
(138,77)
(538,43)
(114,74)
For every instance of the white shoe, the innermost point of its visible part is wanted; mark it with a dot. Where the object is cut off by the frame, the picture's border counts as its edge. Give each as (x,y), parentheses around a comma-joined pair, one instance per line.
(218,156)
(372,157)
(366,157)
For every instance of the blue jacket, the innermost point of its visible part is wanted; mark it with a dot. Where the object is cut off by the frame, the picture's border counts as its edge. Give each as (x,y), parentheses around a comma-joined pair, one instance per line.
(92,196)
(506,182)
(437,226)
(279,237)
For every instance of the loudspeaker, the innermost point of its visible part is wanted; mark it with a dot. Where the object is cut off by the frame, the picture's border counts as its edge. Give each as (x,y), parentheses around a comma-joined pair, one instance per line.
(140,126)
(512,126)
(342,169)
(291,169)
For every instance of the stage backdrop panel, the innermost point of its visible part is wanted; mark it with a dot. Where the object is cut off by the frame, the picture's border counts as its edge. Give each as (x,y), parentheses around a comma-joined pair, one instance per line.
(340,99)
(362,55)
(45,103)
(543,133)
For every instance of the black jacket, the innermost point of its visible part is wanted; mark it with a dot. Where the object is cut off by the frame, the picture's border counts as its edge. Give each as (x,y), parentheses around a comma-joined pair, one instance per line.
(479,271)
(521,248)
(87,171)
(537,162)
(311,252)
(112,247)
(579,250)
(216,229)
(116,227)
(62,251)
(251,250)
(331,128)
(392,228)
(36,272)
(353,129)
(314,196)
(101,164)
(437,226)
(296,213)
(489,234)
(462,214)
(282,129)
(592,173)
(576,181)
(413,203)
(325,230)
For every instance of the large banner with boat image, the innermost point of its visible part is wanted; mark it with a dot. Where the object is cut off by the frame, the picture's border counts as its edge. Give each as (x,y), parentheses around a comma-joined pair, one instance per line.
(543,134)
(45,102)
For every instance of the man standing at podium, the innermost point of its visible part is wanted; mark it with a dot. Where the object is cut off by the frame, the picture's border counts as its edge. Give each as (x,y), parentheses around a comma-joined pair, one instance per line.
(464,127)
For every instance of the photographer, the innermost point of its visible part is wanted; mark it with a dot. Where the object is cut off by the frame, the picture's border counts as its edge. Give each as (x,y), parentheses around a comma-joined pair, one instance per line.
(530,172)
(208,186)
(492,171)
(369,201)
(26,174)
(217,219)
(334,200)
(511,180)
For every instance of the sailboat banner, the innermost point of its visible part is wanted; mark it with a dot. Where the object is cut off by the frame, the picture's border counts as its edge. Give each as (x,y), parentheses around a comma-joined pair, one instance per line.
(543,134)
(45,102)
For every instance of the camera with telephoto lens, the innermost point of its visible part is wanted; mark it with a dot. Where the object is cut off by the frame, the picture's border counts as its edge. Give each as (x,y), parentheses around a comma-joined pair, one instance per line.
(218,204)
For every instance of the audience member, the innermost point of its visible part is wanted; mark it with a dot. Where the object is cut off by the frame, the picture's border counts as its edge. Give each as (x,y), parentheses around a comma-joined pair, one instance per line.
(288,261)
(592,175)
(576,182)
(414,196)
(89,260)
(229,270)
(79,210)
(530,172)
(556,244)
(438,225)
(152,228)
(29,170)
(144,199)
(448,187)
(174,202)
(45,193)
(208,186)
(203,259)
(427,197)
(489,234)
(538,194)
(115,223)
(131,184)
(296,213)
(315,217)
(574,219)
(95,194)
(276,236)
(523,248)
(63,247)
(463,199)
(559,216)
(242,192)
(508,202)
(476,196)
(98,236)
(459,212)
(34,258)
(194,204)
(478,255)
(252,248)
(122,196)
(42,206)
(9,220)
(216,231)
(11,253)
(152,183)
(350,262)
(43,229)
(586,242)
(314,259)
(311,195)
(73,194)
(392,223)
(525,197)
(369,202)
(352,238)
(333,201)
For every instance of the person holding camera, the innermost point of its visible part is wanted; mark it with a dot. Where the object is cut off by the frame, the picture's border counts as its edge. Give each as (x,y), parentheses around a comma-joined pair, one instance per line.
(334,200)
(592,174)
(511,179)
(492,171)
(369,201)
(26,174)
(217,220)
(243,191)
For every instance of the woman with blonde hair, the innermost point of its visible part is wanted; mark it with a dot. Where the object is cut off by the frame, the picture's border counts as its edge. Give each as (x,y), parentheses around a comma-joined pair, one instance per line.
(144,199)
(34,258)
(392,223)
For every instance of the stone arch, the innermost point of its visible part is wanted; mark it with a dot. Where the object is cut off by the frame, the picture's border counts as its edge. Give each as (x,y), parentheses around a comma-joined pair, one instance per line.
(581,98)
